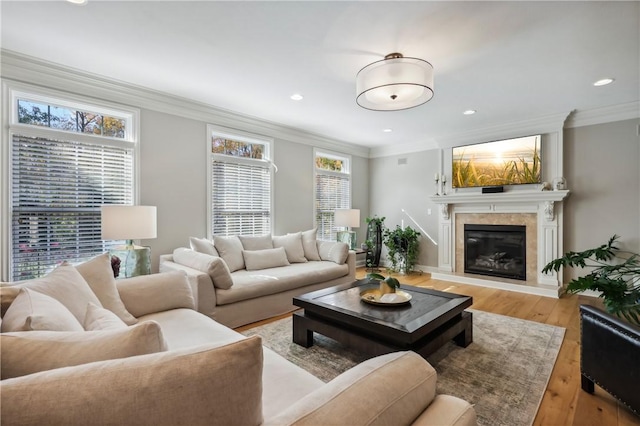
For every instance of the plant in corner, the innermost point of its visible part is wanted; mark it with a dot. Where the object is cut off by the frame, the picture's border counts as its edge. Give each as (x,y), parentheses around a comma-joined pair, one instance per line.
(615,274)
(402,248)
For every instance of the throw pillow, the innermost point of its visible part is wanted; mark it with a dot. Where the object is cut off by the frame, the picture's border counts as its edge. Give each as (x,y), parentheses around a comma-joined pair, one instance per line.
(292,244)
(202,245)
(309,244)
(215,267)
(335,252)
(8,294)
(98,318)
(230,249)
(35,311)
(262,242)
(148,294)
(29,352)
(98,273)
(66,285)
(263,259)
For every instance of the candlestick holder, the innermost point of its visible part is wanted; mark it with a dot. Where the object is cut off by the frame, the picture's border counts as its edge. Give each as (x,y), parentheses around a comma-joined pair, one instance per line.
(443,179)
(437,186)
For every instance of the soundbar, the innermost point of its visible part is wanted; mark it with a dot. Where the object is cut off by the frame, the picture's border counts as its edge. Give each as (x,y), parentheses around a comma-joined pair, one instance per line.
(492,189)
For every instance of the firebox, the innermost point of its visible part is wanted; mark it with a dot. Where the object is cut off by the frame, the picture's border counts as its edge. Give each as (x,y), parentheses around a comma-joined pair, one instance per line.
(496,250)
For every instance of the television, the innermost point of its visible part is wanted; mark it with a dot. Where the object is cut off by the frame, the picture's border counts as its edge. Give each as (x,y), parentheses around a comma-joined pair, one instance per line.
(505,162)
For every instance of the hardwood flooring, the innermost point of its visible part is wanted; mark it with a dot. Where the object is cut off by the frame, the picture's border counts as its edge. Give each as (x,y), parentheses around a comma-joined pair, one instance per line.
(564,402)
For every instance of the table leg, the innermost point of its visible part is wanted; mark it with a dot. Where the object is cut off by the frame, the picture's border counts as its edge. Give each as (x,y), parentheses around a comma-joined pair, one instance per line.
(466,336)
(301,334)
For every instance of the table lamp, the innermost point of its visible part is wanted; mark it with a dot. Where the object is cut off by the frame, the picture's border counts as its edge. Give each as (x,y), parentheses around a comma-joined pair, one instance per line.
(348,218)
(120,222)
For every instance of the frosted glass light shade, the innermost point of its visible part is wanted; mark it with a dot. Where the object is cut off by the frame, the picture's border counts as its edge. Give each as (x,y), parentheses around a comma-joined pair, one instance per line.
(394,83)
(121,222)
(349,218)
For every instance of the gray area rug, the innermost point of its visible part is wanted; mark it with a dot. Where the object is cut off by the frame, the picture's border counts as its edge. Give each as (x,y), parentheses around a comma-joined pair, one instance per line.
(504,372)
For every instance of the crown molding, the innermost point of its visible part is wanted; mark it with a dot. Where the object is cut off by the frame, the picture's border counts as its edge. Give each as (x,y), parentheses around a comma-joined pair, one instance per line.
(26,69)
(608,114)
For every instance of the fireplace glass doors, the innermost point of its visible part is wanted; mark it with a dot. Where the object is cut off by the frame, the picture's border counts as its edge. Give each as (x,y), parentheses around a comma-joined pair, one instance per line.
(496,250)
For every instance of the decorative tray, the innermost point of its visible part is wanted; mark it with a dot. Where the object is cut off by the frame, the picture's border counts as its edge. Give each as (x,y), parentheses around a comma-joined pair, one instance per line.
(375,297)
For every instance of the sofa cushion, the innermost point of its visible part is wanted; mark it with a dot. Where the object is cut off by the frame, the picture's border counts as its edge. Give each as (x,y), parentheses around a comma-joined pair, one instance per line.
(335,252)
(8,294)
(35,311)
(230,249)
(67,286)
(215,267)
(263,259)
(30,352)
(98,273)
(98,318)
(146,294)
(398,387)
(292,244)
(309,244)
(190,387)
(262,242)
(202,245)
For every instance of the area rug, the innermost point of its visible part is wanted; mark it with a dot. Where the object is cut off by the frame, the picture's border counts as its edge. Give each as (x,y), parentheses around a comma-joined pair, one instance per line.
(504,372)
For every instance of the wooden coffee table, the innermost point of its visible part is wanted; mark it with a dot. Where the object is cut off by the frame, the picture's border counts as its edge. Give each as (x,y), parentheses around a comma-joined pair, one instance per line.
(427,322)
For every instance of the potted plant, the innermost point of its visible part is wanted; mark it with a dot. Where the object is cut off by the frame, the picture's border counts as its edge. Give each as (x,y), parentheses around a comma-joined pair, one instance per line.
(387,285)
(402,247)
(615,274)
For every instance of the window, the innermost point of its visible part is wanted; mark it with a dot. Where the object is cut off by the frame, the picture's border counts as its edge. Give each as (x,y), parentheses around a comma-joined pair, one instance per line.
(240,183)
(332,190)
(66,160)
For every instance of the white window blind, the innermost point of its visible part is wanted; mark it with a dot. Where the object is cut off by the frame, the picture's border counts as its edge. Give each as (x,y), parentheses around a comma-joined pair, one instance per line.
(57,188)
(332,191)
(241,196)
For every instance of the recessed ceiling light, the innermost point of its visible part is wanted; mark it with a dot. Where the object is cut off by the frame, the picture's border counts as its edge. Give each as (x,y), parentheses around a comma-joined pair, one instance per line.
(78,2)
(469,112)
(603,82)
(297,97)
(387,130)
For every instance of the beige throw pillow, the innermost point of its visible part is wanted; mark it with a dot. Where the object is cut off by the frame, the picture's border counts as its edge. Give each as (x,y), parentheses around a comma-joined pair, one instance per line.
(98,273)
(292,244)
(215,267)
(202,245)
(230,249)
(148,294)
(35,311)
(29,352)
(98,318)
(262,242)
(309,244)
(194,386)
(263,259)
(335,252)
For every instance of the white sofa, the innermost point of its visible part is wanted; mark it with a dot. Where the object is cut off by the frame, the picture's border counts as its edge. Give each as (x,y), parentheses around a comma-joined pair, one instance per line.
(69,358)
(238,280)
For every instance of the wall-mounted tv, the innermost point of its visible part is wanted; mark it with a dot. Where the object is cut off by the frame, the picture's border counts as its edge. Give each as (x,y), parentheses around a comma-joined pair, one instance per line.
(505,162)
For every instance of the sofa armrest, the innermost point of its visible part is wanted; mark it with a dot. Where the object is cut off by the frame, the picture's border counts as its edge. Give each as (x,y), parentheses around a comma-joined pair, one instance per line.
(204,292)
(389,389)
(147,294)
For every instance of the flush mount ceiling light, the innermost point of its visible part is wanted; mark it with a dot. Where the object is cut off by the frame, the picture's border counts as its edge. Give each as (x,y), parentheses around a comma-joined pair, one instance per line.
(297,97)
(394,83)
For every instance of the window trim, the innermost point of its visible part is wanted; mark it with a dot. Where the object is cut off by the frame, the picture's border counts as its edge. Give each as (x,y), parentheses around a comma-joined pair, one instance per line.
(240,136)
(320,152)
(11,92)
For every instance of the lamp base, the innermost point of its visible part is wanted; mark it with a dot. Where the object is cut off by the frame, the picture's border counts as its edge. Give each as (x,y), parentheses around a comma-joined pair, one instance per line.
(134,260)
(348,237)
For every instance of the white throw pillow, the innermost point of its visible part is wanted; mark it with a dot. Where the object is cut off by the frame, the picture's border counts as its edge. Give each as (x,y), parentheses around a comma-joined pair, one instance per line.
(101,319)
(230,249)
(214,266)
(202,245)
(292,244)
(30,352)
(262,259)
(309,244)
(98,273)
(335,252)
(35,311)
(262,242)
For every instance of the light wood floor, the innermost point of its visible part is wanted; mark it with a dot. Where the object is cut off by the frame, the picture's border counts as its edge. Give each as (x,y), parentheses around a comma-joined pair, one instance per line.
(564,402)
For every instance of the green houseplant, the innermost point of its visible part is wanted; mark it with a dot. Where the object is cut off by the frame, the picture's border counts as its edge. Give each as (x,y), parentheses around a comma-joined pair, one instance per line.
(402,248)
(614,273)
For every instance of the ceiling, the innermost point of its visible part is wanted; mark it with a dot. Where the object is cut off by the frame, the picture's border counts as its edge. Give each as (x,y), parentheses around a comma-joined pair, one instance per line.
(509,61)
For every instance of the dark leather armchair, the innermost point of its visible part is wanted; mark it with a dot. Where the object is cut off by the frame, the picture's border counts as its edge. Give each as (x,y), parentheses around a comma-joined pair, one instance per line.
(610,356)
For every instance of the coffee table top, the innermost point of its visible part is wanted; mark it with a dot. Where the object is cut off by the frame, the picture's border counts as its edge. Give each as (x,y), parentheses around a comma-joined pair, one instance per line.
(427,310)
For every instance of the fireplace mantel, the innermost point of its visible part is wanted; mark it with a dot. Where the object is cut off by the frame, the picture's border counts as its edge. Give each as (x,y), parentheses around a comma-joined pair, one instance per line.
(501,197)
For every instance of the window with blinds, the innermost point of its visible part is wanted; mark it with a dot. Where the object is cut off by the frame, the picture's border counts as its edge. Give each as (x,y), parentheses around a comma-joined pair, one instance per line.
(240,195)
(332,191)
(58,181)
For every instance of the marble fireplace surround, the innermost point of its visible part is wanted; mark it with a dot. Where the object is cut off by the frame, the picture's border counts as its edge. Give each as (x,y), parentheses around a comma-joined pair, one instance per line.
(539,211)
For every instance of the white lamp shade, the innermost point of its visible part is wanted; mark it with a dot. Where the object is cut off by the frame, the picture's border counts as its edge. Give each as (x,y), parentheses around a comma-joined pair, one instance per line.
(128,222)
(394,84)
(347,217)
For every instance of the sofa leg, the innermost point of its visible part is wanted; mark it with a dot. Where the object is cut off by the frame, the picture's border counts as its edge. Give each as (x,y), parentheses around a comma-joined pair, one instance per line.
(587,384)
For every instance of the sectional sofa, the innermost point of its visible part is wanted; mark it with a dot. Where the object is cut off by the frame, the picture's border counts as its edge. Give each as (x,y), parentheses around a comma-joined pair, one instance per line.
(238,280)
(79,348)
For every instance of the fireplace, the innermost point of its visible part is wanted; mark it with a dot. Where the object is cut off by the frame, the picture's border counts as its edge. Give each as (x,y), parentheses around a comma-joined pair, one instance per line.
(496,250)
